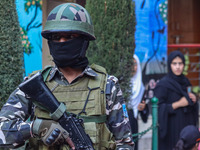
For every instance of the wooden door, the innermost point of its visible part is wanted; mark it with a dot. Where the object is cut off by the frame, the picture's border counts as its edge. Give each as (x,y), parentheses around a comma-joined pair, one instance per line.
(184,34)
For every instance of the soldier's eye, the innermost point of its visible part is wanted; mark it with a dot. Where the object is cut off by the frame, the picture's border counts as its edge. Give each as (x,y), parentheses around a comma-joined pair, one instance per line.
(57,37)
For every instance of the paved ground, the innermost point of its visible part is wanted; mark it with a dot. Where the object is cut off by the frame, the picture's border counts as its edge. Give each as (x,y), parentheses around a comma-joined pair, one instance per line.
(145,141)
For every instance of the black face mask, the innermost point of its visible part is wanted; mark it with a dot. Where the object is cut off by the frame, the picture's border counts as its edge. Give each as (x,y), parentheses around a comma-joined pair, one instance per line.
(70,53)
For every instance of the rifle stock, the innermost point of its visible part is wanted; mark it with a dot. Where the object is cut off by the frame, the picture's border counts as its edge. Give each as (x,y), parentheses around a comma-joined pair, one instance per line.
(37,90)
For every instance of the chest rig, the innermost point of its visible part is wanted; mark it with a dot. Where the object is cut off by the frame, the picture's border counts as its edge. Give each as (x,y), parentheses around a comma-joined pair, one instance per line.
(85,98)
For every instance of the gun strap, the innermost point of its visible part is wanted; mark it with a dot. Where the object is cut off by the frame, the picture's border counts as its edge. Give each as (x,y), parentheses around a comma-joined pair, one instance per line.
(59,112)
(36,126)
(96,119)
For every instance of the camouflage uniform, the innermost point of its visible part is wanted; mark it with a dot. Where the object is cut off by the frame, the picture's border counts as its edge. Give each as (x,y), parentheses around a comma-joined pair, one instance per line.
(15,115)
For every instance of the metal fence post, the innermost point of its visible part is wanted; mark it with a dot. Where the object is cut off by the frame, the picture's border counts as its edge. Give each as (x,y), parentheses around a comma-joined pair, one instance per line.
(154,102)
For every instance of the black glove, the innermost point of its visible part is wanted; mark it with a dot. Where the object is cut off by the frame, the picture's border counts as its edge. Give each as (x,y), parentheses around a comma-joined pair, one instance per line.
(50,132)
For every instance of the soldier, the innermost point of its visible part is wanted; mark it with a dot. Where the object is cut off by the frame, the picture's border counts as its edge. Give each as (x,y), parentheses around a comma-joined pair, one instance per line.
(85,90)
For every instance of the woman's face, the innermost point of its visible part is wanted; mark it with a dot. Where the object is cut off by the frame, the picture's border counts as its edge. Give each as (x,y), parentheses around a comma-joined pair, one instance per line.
(177,66)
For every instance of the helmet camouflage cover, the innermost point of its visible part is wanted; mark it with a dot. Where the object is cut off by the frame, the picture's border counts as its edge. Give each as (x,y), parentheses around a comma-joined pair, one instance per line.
(70,18)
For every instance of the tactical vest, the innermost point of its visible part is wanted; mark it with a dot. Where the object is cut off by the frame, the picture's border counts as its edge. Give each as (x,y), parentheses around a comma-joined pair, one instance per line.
(88,92)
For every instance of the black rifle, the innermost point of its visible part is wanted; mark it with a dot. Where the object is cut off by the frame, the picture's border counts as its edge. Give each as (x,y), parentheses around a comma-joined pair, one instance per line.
(36,89)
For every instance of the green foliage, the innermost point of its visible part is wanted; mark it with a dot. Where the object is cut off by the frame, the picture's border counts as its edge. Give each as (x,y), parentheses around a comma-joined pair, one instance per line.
(27,46)
(11,51)
(187,62)
(195,89)
(114,26)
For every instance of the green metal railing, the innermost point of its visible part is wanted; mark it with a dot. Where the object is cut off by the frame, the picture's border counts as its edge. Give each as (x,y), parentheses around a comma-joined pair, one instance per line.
(153,127)
(154,102)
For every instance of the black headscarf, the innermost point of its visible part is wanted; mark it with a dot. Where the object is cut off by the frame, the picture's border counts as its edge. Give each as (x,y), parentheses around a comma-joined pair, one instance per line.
(176,83)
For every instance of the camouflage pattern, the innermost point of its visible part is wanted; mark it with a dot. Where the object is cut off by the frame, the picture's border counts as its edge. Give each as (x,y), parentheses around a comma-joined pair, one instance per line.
(69,17)
(14,115)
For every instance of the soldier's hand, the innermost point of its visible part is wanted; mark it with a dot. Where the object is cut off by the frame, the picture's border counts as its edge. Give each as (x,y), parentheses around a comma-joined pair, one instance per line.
(51,133)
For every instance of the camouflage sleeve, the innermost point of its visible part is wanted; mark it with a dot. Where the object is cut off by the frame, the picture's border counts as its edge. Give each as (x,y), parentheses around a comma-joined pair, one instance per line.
(118,121)
(14,127)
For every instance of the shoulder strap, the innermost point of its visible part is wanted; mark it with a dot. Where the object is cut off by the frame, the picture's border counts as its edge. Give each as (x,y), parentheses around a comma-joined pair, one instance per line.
(45,72)
(97,81)
(98,68)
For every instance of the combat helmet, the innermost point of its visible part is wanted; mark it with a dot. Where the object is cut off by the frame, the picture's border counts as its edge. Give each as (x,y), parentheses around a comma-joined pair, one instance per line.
(70,18)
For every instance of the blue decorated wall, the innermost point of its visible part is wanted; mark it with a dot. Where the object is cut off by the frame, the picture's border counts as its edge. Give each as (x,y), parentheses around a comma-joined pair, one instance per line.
(151,37)
(30,20)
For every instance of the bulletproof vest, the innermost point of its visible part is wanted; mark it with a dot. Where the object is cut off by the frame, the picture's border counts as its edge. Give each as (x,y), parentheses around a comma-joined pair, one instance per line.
(87,95)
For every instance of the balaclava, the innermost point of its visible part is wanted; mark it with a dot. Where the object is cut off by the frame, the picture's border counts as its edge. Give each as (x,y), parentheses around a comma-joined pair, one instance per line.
(70,53)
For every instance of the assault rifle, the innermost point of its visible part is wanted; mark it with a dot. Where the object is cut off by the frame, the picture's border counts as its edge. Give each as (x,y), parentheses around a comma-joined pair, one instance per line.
(40,94)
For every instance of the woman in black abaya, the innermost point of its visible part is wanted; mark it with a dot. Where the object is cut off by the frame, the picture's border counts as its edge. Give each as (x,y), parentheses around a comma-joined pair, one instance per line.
(177,105)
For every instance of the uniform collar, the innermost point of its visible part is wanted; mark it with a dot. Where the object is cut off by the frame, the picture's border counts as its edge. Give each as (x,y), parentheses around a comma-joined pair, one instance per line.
(87,71)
